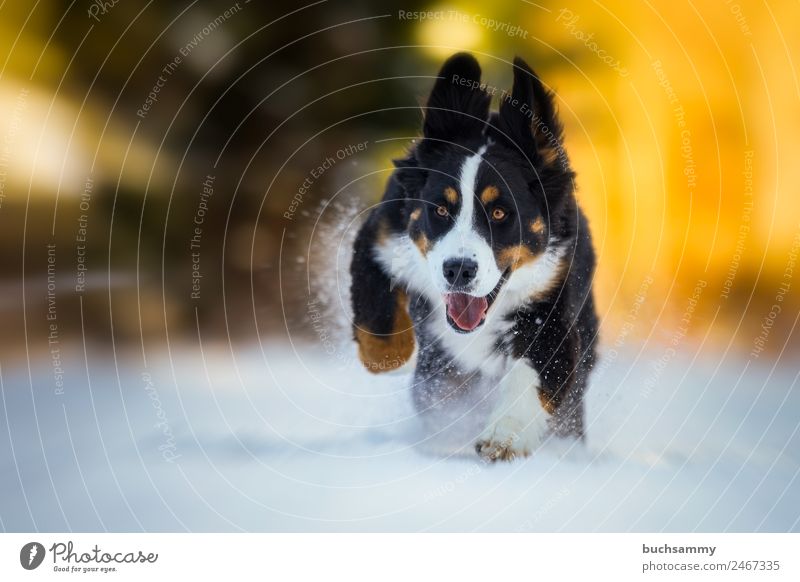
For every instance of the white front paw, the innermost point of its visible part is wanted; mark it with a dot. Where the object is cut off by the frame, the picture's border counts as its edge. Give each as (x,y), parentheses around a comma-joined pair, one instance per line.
(518,424)
(509,438)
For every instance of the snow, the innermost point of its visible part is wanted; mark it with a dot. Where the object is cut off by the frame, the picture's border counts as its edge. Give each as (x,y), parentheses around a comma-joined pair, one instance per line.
(284,437)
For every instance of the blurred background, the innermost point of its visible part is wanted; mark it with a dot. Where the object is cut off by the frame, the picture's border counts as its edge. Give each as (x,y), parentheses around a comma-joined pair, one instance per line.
(682,129)
(683,132)
(179,182)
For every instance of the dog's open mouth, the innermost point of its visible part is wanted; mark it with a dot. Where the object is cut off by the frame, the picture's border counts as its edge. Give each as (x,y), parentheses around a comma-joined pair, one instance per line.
(465,312)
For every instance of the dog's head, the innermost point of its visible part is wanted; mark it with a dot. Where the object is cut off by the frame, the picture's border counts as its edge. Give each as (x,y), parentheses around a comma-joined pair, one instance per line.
(484,192)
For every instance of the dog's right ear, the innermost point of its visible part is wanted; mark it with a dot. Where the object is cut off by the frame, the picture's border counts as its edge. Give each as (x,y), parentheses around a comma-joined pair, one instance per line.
(458,106)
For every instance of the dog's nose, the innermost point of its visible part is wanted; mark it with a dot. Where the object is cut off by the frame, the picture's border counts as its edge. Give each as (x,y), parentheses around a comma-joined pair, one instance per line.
(460,272)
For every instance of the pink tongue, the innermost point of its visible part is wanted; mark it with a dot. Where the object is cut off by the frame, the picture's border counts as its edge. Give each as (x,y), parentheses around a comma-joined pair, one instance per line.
(467,311)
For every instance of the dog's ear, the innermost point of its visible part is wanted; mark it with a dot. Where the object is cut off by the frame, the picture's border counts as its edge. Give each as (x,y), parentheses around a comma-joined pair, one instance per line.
(458,106)
(528,120)
(381,323)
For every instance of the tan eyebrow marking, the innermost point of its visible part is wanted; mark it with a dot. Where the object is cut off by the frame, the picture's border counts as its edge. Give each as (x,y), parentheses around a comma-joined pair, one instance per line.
(451,195)
(537,226)
(490,194)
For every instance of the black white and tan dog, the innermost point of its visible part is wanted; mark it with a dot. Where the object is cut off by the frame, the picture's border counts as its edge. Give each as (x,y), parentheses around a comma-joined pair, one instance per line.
(478,264)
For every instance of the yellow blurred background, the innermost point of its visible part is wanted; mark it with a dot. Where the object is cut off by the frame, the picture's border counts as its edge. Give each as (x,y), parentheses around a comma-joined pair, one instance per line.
(681,121)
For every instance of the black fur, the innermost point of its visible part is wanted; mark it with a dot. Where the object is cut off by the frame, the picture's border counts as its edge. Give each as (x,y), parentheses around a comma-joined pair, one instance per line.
(371,285)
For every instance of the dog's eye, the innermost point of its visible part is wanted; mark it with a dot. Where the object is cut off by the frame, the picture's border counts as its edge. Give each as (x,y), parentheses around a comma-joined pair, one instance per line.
(441,211)
(498,214)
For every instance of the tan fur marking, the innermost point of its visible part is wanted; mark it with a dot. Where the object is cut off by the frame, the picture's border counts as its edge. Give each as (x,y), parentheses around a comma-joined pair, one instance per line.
(382,233)
(514,257)
(422,243)
(385,353)
(490,194)
(451,195)
(537,226)
(548,405)
(415,215)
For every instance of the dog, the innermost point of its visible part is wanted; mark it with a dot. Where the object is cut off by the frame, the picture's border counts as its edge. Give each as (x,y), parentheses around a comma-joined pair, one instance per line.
(478,264)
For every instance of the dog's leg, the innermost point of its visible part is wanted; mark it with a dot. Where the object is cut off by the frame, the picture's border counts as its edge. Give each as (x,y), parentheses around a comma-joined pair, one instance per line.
(381,324)
(519,423)
(563,380)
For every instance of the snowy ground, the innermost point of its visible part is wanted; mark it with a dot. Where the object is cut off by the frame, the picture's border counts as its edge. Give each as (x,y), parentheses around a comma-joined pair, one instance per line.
(286,440)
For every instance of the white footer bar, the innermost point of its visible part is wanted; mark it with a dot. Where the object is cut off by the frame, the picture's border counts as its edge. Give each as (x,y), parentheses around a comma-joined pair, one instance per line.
(407,557)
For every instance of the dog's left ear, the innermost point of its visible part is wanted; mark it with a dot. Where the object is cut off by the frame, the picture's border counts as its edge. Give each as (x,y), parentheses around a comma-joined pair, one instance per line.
(528,120)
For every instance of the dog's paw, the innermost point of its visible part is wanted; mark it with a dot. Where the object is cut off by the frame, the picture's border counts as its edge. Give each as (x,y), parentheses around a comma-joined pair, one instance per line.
(506,440)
